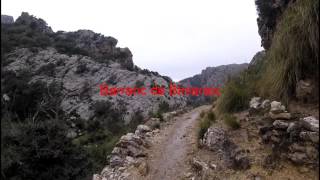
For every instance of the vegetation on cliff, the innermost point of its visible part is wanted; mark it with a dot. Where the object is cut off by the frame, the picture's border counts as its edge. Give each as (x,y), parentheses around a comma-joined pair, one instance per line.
(292,56)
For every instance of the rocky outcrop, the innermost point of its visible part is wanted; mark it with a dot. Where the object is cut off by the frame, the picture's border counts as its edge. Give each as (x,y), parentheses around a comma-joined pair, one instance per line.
(217,141)
(269,14)
(5,19)
(35,23)
(97,46)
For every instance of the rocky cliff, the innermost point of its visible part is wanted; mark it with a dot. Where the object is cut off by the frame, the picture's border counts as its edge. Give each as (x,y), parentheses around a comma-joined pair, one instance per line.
(269,14)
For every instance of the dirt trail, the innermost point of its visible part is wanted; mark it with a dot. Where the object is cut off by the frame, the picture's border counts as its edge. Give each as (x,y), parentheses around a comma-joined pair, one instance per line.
(168,157)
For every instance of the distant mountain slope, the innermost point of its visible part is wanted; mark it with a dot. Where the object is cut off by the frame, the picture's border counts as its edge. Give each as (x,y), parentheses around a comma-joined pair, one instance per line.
(212,77)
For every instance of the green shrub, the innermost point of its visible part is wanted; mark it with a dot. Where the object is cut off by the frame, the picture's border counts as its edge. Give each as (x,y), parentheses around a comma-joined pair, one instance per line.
(108,117)
(235,96)
(231,121)
(26,96)
(204,124)
(202,114)
(153,84)
(158,115)
(98,152)
(40,149)
(211,116)
(137,118)
(139,84)
(163,107)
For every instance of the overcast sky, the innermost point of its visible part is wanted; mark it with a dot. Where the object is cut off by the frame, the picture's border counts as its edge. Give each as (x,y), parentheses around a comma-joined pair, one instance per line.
(177,38)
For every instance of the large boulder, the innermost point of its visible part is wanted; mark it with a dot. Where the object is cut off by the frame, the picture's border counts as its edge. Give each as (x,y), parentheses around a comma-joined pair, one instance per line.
(310,123)
(215,139)
(284,115)
(266,104)
(142,129)
(255,102)
(277,107)
(258,105)
(278,124)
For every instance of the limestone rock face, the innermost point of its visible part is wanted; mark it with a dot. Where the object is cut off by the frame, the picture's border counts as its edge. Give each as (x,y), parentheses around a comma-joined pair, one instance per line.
(5,19)
(80,76)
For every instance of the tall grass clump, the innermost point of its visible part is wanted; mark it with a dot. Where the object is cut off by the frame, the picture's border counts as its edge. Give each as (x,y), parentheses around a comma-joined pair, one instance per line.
(293,54)
(235,96)
(238,90)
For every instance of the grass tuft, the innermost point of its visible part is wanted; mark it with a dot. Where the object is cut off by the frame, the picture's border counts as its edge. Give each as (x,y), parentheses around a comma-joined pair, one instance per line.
(231,121)
(205,122)
(293,54)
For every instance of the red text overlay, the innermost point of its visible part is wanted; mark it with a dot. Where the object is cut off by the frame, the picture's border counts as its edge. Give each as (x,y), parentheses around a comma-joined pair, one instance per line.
(174,90)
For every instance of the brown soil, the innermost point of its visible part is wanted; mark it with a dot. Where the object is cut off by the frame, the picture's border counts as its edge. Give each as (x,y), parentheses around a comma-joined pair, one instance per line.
(172,149)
